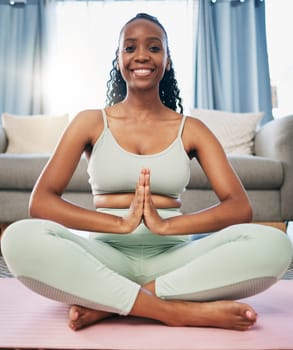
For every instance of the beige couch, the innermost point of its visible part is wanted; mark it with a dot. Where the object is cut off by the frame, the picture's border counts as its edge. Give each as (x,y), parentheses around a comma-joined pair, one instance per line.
(267,176)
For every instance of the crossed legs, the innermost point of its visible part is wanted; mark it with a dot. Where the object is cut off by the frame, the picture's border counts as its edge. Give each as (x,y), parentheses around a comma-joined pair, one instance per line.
(237,262)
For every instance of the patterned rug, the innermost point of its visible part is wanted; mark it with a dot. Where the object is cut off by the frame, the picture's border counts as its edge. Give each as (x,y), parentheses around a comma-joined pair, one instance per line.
(3,269)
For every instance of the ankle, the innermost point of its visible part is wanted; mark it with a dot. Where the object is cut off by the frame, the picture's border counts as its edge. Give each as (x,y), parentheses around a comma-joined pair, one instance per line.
(150,287)
(169,312)
(149,305)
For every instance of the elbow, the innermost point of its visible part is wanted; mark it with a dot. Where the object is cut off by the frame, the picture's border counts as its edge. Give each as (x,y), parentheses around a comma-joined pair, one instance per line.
(240,211)
(33,212)
(246,211)
(36,207)
(249,214)
(42,204)
(33,208)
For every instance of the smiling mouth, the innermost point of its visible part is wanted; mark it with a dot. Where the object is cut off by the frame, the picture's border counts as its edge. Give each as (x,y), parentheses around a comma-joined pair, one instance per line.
(142,72)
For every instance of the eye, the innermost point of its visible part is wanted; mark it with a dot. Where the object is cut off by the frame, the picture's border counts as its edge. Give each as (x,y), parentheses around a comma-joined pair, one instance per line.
(155,48)
(129,48)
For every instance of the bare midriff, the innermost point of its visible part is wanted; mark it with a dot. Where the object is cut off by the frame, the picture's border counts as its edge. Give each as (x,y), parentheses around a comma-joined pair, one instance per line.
(123,200)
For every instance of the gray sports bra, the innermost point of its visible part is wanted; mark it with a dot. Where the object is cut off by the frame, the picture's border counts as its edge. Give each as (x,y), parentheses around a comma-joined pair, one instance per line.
(112,169)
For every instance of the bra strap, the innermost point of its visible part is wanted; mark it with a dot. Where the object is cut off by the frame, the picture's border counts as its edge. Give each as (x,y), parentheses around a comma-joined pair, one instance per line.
(181,125)
(105,118)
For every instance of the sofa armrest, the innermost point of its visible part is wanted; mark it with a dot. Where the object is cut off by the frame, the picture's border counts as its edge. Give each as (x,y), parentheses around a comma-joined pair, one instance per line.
(275,140)
(3,140)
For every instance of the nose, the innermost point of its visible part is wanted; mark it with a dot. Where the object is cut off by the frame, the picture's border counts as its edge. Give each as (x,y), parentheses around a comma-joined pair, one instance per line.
(142,55)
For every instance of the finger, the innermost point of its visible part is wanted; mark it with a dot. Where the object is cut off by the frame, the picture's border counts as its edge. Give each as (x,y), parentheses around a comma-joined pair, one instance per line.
(147,198)
(139,192)
(148,202)
(147,177)
(141,178)
(140,184)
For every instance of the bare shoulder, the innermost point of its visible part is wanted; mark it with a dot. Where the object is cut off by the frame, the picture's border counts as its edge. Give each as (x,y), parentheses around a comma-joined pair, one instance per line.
(88,118)
(197,135)
(87,124)
(195,125)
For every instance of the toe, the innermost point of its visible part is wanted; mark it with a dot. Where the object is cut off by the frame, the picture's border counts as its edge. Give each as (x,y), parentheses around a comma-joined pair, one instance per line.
(75,317)
(250,316)
(73,313)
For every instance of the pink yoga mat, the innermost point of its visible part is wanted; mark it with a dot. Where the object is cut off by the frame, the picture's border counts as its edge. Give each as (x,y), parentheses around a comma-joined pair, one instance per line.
(28,320)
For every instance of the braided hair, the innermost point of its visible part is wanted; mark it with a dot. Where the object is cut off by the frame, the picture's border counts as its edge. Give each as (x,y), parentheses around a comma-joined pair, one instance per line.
(168,88)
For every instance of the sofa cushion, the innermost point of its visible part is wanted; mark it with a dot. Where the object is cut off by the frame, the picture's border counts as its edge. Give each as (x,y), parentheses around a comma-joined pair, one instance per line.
(254,172)
(33,134)
(235,131)
(20,172)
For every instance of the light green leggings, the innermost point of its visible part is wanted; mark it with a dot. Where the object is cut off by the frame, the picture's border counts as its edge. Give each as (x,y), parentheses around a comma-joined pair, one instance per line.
(106,271)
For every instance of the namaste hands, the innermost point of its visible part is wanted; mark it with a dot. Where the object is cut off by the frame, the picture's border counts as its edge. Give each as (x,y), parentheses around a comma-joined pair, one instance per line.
(143,209)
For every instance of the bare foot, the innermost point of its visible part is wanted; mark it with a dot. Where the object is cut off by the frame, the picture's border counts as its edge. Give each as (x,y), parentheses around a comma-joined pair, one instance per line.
(221,314)
(81,317)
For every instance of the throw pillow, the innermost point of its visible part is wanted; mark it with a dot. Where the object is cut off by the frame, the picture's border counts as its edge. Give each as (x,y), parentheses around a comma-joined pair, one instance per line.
(33,134)
(235,131)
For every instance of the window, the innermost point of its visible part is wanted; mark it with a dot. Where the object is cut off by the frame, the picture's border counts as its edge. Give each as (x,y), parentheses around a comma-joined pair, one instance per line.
(84,42)
(280,51)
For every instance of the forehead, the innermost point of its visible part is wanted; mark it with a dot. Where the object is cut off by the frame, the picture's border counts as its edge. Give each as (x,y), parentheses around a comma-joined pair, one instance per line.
(142,28)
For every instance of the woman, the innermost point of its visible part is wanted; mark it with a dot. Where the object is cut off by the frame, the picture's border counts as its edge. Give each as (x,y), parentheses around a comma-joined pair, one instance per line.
(138,258)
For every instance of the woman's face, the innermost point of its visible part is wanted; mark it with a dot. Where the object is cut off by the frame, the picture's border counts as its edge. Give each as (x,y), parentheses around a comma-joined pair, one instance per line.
(142,54)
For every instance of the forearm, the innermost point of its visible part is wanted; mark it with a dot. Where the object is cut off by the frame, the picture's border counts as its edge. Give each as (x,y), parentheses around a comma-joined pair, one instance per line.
(209,220)
(55,208)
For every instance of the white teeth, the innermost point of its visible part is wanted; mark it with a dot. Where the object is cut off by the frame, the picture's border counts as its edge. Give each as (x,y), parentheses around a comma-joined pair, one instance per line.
(142,71)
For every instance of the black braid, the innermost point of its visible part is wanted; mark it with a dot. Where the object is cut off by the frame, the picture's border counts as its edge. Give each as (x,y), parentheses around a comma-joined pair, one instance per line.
(169,91)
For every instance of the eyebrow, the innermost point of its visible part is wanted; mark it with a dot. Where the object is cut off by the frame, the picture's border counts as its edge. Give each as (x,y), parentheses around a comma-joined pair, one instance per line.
(152,38)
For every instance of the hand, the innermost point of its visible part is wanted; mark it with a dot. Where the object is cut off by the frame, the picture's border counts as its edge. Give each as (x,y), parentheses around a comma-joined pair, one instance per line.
(135,213)
(151,217)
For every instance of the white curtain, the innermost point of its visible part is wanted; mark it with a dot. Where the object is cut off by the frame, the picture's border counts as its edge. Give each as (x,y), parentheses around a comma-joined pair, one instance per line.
(85,39)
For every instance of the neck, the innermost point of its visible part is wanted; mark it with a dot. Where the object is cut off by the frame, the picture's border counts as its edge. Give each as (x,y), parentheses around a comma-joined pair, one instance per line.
(143,103)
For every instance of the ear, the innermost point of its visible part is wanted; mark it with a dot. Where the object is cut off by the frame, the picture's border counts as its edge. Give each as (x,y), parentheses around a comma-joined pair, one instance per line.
(168,66)
(117,60)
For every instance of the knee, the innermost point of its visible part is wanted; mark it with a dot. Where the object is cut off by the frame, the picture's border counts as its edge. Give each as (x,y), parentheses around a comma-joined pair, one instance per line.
(278,247)
(24,242)
(267,237)
(275,238)
(269,246)
(13,236)
(20,237)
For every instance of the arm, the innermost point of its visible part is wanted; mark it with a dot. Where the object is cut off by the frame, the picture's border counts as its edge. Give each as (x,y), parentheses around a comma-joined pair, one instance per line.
(233,207)
(46,200)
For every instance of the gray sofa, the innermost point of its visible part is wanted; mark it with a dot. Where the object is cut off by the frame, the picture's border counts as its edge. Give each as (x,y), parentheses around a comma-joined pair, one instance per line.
(267,177)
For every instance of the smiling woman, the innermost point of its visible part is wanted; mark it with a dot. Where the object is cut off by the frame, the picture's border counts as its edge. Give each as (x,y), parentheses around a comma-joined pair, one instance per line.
(75,81)
(138,257)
